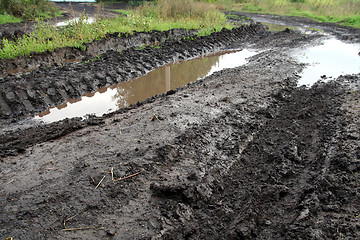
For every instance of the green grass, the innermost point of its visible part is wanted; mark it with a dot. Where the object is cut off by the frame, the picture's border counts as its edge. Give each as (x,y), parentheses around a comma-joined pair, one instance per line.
(345,12)
(28,9)
(165,15)
(6,18)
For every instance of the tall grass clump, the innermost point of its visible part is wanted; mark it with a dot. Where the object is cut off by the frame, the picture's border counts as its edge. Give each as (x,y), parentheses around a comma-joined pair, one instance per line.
(346,12)
(6,18)
(47,38)
(160,15)
(29,9)
(185,14)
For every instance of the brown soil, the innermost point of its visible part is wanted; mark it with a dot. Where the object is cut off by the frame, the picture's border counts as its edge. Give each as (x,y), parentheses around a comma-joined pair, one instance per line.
(242,154)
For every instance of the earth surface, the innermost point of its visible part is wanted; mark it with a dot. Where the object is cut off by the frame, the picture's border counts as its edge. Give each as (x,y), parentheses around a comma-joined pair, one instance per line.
(245,153)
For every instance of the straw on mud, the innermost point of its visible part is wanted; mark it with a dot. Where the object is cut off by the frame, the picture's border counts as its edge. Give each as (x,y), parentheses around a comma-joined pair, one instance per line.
(68,219)
(132,175)
(83,228)
(154,117)
(112,173)
(130,140)
(100,182)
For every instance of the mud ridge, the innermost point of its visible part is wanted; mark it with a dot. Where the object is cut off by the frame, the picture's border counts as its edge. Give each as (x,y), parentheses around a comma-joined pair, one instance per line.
(285,162)
(47,87)
(114,41)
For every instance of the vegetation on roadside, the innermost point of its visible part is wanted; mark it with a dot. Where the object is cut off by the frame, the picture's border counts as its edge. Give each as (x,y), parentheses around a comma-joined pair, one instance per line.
(345,12)
(6,18)
(16,10)
(160,15)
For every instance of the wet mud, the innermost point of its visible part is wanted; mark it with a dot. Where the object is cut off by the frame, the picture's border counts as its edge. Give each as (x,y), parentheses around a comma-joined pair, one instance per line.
(30,93)
(242,154)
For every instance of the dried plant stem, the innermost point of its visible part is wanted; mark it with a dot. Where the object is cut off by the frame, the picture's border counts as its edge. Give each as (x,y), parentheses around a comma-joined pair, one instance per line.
(132,175)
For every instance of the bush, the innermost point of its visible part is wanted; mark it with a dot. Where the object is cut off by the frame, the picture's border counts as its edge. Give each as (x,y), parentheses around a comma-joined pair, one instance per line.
(28,9)
(173,9)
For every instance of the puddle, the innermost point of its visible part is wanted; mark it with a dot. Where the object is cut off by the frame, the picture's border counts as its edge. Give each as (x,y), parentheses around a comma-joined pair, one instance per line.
(85,20)
(329,60)
(277,27)
(154,83)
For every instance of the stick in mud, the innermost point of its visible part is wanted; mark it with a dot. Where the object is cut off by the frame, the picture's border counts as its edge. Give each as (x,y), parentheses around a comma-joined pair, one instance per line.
(68,219)
(100,182)
(132,175)
(130,140)
(74,229)
(112,174)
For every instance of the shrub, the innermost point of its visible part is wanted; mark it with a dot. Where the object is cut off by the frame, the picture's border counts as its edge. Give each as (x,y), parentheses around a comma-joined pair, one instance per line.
(29,9)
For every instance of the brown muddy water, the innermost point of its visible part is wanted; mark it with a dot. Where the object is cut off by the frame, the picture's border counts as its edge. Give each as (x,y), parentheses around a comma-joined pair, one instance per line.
(156,82)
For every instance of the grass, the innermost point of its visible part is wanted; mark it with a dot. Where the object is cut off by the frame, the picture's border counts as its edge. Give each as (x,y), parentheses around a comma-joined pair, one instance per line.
(6,18)
(345,12)
(27,9)
(162,15)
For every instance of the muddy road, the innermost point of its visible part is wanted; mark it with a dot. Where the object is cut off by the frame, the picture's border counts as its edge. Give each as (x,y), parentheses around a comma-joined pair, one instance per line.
(245,153)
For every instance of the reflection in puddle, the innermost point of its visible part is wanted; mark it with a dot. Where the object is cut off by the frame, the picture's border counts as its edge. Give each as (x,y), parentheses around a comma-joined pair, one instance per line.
(85,20)
(273,27)
(154,83)
(330,60)
(277,27)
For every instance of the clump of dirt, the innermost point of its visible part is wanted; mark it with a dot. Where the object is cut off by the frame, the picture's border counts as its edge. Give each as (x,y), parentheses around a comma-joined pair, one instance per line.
(116,42)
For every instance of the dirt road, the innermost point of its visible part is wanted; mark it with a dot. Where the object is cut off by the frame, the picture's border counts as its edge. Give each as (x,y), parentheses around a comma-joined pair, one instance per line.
(242,154)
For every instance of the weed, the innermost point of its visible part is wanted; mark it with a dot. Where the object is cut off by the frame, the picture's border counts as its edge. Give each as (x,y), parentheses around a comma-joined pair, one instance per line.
(97,58)
(191,38)
(141,47)
(6,18)
(156,46)
(161,15)
(29,9)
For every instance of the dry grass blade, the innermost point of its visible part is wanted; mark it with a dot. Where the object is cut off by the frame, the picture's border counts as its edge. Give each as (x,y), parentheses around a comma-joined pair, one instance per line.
(129,140)
(132,175)
(83,228)
(100,182)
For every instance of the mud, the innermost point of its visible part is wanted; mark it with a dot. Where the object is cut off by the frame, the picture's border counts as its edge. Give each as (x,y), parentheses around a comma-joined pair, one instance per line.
(30,93)
(242,154)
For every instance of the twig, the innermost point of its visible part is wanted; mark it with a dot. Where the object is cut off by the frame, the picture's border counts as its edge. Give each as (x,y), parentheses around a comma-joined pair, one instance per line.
(154,117)
(11,180)
(83,228)
(100,182)
(54,169)
(132,175)
(68,219)
(92,179)
(130,140)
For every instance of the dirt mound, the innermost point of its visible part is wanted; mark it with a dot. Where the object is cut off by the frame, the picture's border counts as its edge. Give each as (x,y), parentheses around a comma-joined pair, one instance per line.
(47,87)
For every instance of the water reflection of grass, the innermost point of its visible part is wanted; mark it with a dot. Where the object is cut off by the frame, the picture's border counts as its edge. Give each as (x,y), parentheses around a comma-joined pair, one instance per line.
(163,79)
